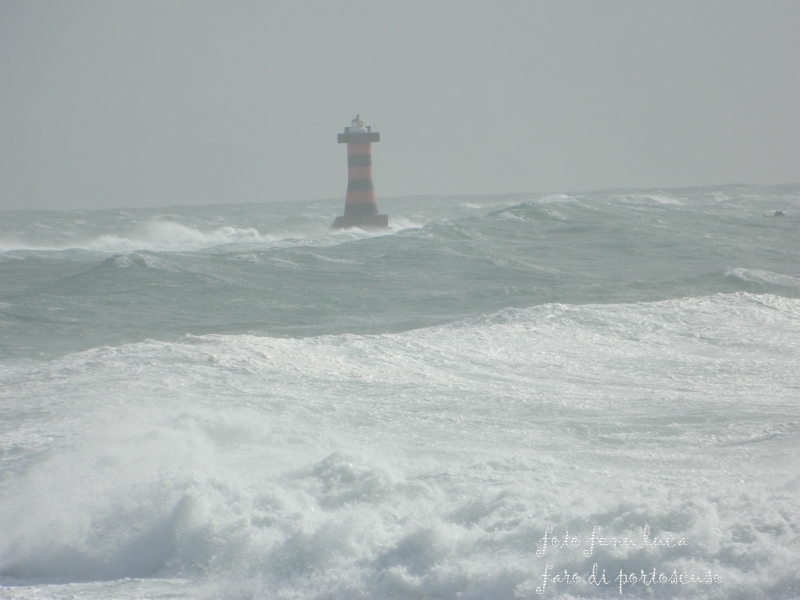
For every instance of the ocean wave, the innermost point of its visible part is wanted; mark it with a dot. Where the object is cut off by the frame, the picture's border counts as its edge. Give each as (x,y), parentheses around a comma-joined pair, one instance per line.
(136,259)
(160,235)
(423,463)
(170,235)
(406,413)
(765,278)
(153,235)
(346,525)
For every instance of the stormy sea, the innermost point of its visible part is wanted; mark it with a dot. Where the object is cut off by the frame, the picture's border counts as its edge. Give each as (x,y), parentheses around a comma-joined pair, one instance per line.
(591,395)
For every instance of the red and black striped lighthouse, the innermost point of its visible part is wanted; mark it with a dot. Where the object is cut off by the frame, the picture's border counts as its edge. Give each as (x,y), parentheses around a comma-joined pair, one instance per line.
(360,207)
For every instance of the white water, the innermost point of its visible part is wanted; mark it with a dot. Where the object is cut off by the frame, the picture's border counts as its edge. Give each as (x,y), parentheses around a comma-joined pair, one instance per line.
(421,463)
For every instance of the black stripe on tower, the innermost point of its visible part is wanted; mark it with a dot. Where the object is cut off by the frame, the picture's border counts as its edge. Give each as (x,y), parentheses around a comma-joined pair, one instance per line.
(359,160)
(360,185)
(352,209)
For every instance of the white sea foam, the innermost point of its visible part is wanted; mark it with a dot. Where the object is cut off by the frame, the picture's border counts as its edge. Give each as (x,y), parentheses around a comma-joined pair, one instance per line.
(157,234)
(665,199)
(399,223)
(422,464)
(170,235)
(426,462)
(557,198)
(396,224)
(763,277)
(160,235)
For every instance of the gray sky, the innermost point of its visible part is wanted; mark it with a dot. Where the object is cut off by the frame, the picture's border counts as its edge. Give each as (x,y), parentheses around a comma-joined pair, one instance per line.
(151,103)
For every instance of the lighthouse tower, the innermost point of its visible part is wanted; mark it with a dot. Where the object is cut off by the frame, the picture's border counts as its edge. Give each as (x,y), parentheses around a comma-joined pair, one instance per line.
(360,207)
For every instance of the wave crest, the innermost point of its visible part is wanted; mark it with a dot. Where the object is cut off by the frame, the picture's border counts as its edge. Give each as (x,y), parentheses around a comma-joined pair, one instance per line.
(169,235)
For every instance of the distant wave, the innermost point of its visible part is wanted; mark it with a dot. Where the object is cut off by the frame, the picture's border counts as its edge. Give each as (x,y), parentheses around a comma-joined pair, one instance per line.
(764,277)
(152,235)
(167,235)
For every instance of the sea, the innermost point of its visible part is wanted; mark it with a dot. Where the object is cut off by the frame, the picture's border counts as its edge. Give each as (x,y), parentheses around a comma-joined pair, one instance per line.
(572,395)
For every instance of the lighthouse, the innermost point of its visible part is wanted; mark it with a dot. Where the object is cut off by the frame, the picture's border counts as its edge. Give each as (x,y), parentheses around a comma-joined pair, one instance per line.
(360,207)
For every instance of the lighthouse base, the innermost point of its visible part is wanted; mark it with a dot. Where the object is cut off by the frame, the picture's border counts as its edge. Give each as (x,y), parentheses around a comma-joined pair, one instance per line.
(366,222)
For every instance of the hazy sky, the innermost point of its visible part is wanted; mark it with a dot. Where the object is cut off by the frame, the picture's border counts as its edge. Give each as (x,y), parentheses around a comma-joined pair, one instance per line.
(147,103)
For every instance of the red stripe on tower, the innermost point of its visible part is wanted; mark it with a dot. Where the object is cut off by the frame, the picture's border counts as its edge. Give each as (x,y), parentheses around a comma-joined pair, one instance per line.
(359,173)
(360,207)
